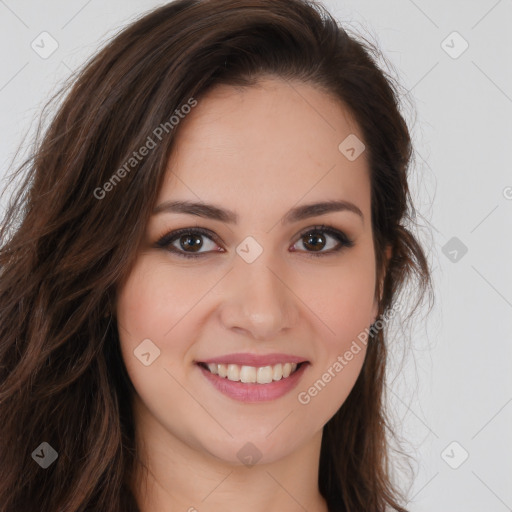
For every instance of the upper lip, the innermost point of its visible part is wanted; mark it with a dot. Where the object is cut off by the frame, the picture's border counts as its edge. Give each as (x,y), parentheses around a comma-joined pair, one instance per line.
(255,359)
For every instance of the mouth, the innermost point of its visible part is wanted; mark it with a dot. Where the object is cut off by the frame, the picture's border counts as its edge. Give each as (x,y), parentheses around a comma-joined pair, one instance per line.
(249,384)
(253,374)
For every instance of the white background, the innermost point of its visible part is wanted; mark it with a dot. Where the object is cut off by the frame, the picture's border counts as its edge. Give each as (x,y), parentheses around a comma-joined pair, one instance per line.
(455,383)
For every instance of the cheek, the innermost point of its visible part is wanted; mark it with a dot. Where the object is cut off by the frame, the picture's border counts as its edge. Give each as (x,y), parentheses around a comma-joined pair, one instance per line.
(350,309)
(152,304)
(345,311)
(327,388)
(158,302)
(148,306)
(153,300)
(344,307)
(342,299)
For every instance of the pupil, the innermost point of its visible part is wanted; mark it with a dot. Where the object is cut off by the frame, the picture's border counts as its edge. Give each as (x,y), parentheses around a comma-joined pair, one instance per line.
(188,244)
(312,244)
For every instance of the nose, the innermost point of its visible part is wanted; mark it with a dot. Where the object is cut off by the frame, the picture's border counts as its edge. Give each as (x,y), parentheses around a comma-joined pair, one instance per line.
(257,299)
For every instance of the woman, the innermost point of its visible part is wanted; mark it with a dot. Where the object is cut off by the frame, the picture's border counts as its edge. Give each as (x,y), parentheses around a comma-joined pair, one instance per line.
(197,271)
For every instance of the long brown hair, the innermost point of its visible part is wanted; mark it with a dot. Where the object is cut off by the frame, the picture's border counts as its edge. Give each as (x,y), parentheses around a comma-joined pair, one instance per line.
(67,240)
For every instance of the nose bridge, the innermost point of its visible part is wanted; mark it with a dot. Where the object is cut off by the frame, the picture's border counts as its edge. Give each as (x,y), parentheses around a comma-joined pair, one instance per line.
(258,300)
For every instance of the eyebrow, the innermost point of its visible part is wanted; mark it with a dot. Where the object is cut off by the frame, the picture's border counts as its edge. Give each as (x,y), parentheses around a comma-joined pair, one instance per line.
(296,214)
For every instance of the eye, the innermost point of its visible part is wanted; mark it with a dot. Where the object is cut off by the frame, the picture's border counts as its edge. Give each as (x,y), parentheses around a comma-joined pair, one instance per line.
(315,239)
(187,242)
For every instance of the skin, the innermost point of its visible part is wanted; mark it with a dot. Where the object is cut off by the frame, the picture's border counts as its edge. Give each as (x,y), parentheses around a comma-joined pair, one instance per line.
(257,151)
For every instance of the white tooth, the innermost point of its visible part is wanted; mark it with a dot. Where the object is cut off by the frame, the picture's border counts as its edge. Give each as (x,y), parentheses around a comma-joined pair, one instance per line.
(251,374)
(213,368)
(248,374)
(264,375)
(278,372)
(233,372)
(223,370)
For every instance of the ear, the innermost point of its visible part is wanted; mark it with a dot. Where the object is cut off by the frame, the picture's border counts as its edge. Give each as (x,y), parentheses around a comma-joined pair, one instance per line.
(375,311)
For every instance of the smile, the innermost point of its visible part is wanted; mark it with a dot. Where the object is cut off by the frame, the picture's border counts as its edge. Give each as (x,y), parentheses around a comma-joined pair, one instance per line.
(253,384)
(253,374)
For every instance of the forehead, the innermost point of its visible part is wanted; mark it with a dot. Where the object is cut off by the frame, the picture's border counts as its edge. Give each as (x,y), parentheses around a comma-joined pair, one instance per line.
(276,142)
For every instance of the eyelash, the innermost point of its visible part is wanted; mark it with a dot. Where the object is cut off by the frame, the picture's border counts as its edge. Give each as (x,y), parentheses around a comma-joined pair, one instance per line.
(166,241)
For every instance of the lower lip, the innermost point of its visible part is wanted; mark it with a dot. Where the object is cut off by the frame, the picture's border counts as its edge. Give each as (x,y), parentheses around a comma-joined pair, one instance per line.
(250,392)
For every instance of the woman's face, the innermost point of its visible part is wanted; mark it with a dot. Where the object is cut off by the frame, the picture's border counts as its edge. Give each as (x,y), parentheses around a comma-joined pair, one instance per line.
(266,284)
